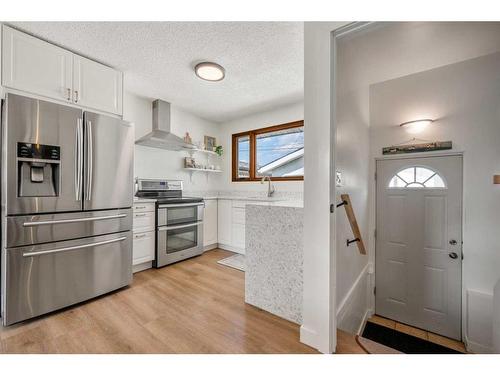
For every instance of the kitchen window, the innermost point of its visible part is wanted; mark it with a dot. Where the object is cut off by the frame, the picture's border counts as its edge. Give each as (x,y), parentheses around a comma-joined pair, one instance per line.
(275,151)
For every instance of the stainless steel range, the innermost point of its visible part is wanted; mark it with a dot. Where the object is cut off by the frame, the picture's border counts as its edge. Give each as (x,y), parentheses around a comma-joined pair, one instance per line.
(67,189)
(179,220)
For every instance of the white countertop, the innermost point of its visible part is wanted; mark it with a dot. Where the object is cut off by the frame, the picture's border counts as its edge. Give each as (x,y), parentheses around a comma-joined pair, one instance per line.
(144,200)
(262,201)
(281,203)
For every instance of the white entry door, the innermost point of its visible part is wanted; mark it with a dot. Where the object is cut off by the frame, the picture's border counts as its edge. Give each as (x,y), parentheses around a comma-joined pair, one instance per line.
(419,242)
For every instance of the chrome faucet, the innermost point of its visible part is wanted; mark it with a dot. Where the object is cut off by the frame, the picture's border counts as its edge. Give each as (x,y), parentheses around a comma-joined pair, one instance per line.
(270,187)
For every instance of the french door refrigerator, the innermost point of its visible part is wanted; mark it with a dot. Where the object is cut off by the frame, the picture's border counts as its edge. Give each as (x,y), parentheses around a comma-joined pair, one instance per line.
(67,193)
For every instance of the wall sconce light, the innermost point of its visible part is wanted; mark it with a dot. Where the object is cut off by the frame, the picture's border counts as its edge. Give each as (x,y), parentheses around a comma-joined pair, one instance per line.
(496,179)
(416,126)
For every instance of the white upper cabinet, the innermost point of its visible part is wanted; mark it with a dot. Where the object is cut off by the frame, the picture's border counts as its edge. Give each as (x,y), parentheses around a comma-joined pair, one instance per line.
(35,66)
(32,65)
(96,85)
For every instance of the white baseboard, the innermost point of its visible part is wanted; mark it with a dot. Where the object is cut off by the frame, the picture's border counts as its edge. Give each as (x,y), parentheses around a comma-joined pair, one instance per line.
(368,313)
(354,309)
(311,338)
(479,321)
(231,248)
(142,267)
(474,347)
(210,247)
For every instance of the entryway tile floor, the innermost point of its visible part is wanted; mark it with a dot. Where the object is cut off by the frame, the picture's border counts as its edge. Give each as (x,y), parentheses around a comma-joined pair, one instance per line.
(417,332)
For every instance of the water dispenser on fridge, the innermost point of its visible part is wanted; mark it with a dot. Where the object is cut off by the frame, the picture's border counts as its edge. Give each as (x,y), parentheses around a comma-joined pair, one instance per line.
(38,170)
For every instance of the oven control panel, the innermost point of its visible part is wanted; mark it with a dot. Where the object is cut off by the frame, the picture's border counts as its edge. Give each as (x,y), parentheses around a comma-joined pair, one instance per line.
(158,185)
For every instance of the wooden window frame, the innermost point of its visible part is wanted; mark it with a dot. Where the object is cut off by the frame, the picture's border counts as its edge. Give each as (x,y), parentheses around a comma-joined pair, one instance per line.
(252,134)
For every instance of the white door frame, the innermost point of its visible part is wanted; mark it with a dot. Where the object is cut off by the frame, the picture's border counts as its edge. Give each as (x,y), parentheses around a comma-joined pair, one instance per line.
(373,222)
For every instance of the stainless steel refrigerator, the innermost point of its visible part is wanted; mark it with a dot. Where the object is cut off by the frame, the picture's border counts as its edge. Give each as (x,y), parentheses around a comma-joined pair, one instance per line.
(67,193)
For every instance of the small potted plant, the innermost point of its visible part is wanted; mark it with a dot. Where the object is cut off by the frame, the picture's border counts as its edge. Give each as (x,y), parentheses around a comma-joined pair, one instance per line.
(218,150)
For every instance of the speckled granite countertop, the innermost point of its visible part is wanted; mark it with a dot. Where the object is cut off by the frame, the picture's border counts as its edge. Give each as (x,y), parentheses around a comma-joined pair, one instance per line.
(274,256)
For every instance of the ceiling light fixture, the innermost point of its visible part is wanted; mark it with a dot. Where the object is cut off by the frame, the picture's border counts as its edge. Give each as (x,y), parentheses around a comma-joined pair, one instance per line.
(416,126)
(210,71)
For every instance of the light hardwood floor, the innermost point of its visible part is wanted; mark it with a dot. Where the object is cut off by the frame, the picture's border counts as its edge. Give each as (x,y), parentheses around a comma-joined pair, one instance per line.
(195,306)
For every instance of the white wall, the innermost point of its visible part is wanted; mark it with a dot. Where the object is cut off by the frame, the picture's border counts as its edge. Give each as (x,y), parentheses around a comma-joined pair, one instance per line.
(157,163)
(280,115)
(319,323)
(352,160)
(464,98)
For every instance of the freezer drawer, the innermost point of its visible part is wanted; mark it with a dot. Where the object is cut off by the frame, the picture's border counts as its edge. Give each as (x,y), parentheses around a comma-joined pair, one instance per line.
(44,278)
(37,229)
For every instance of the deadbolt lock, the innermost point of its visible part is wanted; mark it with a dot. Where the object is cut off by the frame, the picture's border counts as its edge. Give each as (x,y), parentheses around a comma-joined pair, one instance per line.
(453,242)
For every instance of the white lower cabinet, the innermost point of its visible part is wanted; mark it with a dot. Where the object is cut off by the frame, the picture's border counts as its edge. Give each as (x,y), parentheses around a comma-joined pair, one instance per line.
(224,222)
(238,238)
(143,252)
(144,247)
(231,228)
(210,223)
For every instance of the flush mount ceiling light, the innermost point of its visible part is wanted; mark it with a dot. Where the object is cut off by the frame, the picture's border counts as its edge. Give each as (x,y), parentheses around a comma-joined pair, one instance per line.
(210,71)
(416,126)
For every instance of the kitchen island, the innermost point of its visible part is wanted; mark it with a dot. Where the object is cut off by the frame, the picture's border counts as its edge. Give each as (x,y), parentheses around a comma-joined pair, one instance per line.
(274,256)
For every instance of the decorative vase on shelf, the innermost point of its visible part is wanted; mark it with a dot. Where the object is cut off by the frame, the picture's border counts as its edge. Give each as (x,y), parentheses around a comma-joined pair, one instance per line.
(187,138)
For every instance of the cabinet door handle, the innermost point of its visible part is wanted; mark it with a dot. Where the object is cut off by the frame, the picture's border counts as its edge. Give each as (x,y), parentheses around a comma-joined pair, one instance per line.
(69,93)
(140,207)
(76,96)
(140,215)
(140,235)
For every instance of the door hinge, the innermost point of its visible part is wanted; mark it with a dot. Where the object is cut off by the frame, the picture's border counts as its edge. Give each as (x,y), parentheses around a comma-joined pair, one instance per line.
(375,233)
(375,176)
(332,208)
(374,290)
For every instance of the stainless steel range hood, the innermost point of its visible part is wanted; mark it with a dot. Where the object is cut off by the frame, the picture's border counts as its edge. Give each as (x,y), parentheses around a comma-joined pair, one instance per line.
(161,135)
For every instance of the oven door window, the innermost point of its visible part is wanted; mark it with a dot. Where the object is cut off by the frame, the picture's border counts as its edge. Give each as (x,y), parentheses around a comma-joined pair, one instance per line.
(181,215)
(181,239)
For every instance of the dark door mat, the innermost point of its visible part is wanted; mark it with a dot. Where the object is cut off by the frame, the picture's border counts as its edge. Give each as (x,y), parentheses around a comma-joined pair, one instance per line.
(401,341)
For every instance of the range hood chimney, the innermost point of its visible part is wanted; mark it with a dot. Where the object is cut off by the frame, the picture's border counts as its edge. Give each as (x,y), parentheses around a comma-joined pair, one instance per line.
(161,135)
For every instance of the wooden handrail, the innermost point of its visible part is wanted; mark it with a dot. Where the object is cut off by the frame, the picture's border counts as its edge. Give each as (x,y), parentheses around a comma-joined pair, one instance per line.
(346,202)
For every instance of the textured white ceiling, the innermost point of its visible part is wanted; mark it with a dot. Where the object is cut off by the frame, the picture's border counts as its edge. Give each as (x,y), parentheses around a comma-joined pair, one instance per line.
(264,61)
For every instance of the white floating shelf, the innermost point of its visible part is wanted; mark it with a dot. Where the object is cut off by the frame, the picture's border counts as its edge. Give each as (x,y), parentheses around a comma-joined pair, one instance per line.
(208,152)
(203,170)
(192,170)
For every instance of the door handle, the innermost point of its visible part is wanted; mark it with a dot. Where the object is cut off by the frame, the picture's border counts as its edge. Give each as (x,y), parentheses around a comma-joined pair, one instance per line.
(453,255)
(69,93)
(90,156)
(69,221)
(76,96)
(70,248)
(161,229)
(453,242)
(78,160)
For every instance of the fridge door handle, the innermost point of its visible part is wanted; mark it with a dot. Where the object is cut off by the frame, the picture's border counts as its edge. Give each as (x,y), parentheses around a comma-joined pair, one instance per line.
(69,221)
(90,151)
(70,248)
(78,160)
